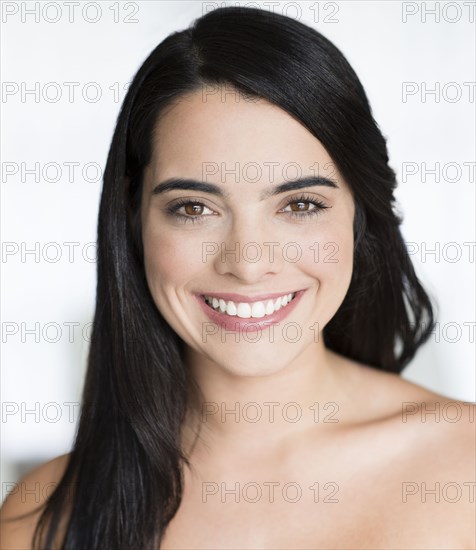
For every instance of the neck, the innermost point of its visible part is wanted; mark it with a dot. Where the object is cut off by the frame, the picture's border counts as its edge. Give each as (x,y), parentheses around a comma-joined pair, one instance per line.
(246,414)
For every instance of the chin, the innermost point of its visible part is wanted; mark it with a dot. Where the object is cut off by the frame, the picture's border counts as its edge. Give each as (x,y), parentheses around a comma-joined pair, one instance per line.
(269,359)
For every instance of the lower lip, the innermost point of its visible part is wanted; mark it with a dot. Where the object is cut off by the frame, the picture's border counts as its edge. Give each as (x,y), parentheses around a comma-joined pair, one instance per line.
(238,324)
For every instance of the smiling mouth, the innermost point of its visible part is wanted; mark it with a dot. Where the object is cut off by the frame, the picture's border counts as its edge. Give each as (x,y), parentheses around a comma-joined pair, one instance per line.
(248,310)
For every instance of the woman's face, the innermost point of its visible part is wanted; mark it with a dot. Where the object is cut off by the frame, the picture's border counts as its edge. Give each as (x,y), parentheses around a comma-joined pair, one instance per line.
(246,234)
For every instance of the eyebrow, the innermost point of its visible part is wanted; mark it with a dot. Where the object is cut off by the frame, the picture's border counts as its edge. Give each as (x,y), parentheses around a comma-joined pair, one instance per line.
(186,184)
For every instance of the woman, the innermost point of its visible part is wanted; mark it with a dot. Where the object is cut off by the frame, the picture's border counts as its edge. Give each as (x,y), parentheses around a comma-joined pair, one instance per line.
(255,306)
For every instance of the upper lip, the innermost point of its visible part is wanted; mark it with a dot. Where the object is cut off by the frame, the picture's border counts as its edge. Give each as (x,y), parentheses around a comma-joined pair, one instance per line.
(246,299)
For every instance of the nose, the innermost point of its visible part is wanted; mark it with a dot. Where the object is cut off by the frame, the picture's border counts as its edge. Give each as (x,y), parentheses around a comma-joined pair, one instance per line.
(249,254)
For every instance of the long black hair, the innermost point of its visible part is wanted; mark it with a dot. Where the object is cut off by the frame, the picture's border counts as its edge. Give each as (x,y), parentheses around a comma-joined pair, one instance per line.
(123,483)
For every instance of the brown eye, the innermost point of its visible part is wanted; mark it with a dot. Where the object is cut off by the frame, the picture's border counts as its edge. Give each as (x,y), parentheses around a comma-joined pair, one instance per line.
(304,207)
(300,206)
(185,210)
(193,209)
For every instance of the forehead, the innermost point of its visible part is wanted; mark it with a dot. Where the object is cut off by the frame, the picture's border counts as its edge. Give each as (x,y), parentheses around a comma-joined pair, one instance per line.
(226,128)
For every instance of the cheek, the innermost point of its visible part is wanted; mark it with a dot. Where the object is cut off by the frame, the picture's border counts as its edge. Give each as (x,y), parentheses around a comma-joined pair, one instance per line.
(170,259)
(329,257)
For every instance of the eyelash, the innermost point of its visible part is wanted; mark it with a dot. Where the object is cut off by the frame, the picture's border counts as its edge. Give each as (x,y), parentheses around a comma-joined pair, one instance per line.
(184,218)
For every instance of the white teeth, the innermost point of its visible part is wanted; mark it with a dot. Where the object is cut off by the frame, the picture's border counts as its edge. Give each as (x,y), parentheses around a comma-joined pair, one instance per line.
(269,307)
(246,310)
(258,310)
(243,310)
(230,308)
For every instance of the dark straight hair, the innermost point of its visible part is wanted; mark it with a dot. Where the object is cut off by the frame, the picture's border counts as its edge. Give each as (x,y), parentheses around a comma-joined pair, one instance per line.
(125,469)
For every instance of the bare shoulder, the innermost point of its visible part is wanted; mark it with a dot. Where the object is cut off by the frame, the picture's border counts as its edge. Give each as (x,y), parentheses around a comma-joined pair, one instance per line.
(430,441)
(28,497)
(439,434)
(382,393)
(431,422)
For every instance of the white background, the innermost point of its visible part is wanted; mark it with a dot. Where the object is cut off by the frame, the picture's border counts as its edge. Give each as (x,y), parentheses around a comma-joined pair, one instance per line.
(390,52)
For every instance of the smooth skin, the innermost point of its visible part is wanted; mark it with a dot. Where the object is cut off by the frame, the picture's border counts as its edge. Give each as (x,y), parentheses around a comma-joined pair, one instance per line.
(349,472)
